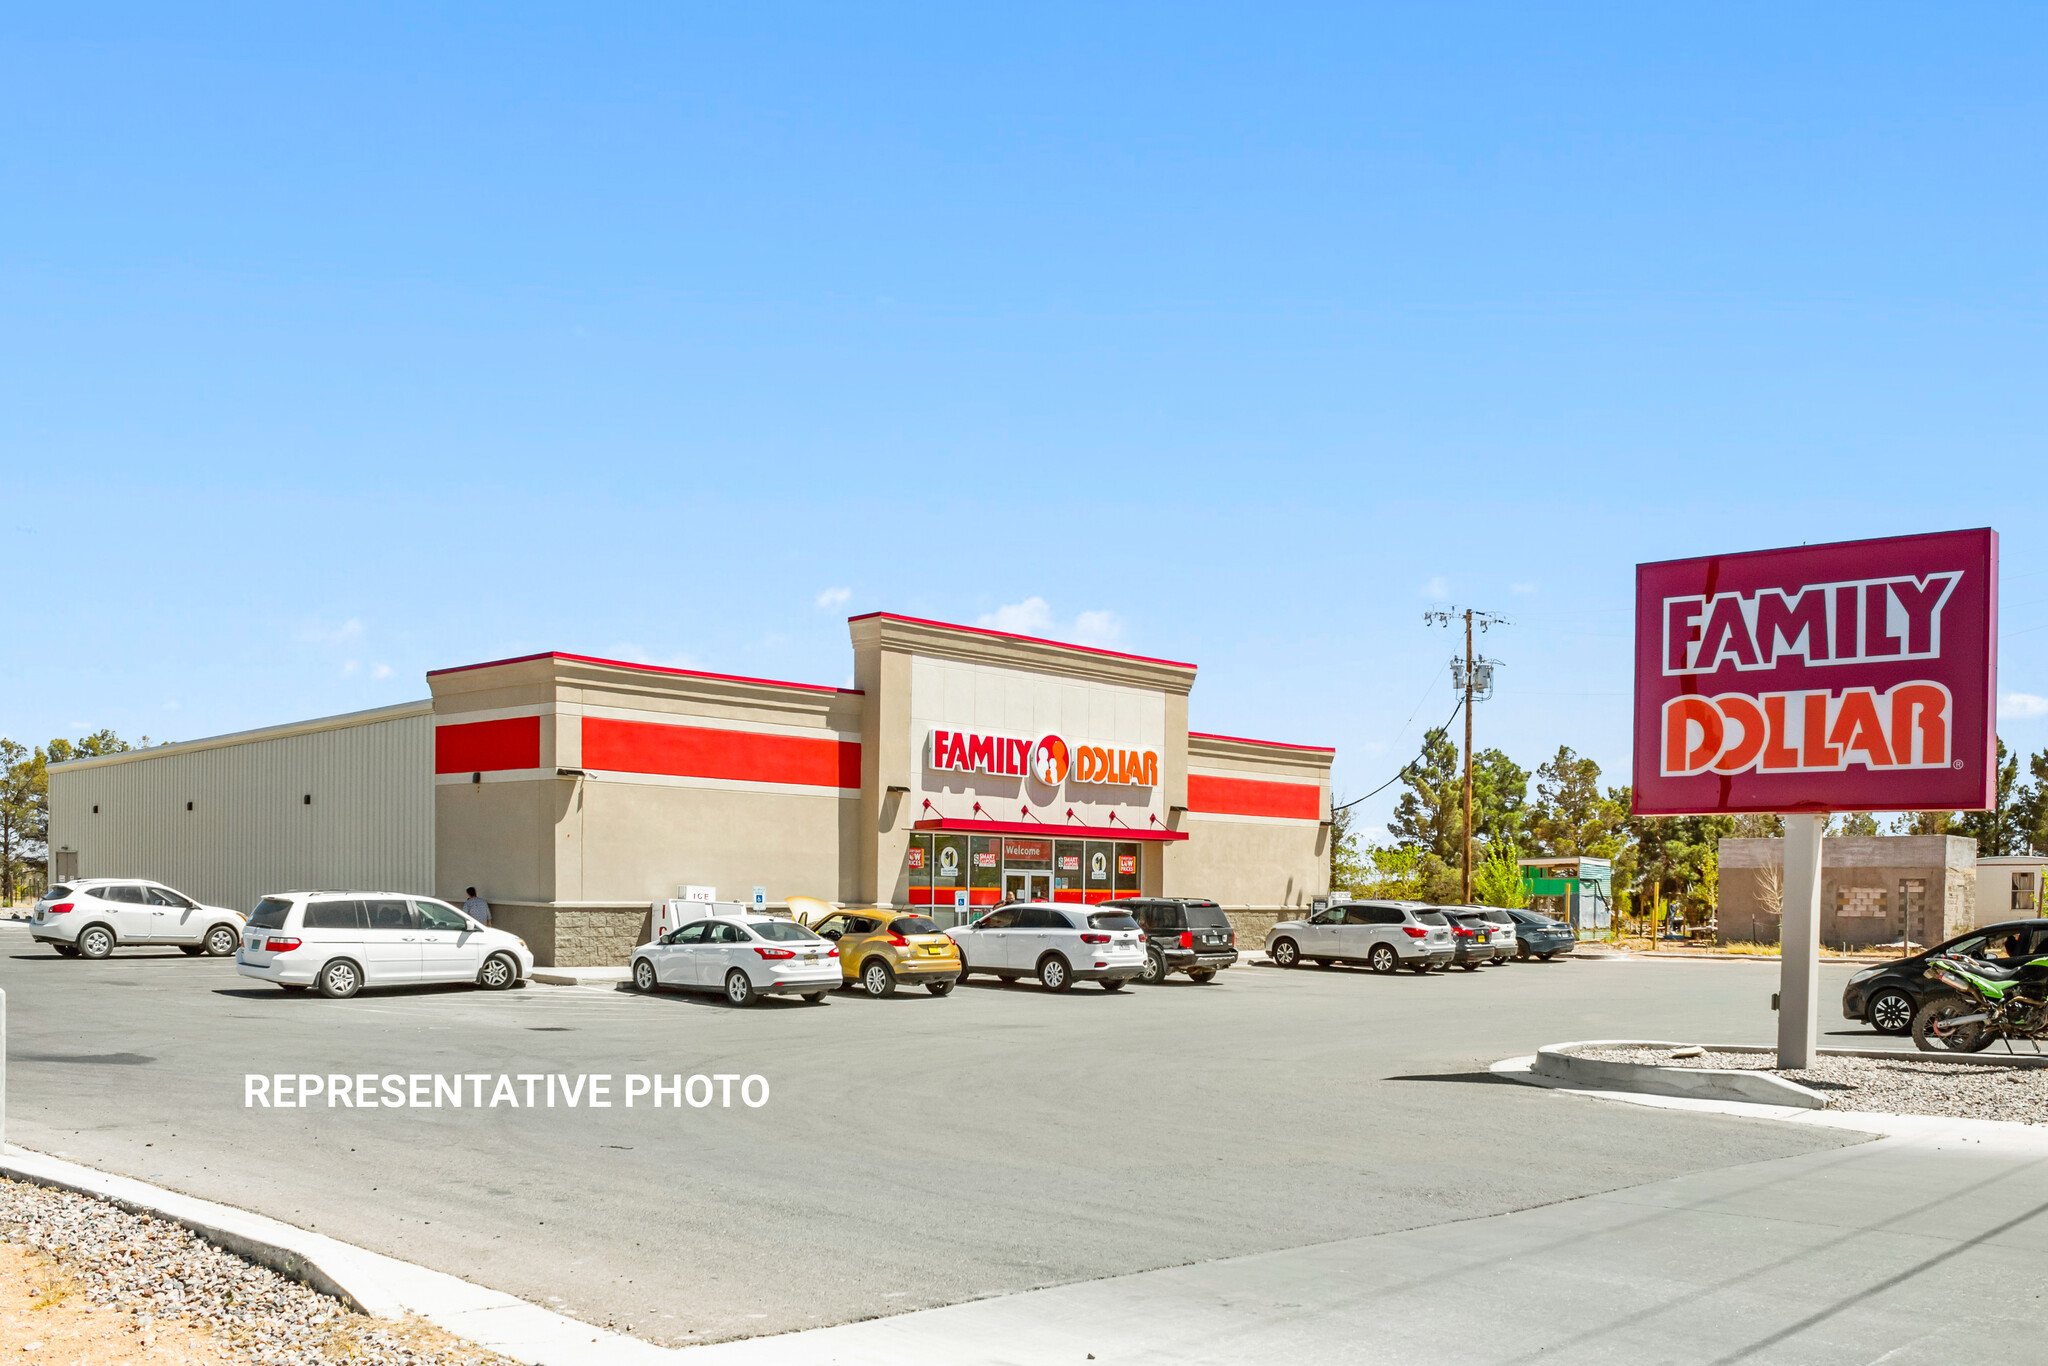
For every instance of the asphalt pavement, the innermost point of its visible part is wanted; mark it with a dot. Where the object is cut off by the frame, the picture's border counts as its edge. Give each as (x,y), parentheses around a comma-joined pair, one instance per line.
(914,1152)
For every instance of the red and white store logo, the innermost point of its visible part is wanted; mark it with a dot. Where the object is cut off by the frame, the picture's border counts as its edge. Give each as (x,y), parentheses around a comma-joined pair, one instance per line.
(1050,760)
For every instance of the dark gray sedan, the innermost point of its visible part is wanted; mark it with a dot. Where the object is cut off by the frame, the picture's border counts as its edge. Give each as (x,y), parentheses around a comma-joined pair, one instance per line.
(1538,936)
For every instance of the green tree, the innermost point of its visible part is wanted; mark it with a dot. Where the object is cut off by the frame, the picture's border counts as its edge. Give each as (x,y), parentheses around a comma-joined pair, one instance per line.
(2030,810)
(1498,881)
(1923,822)
(17,816)
(1431,813)
(1347,866)
(1570,815)
(1855,823)
(1500,799)
(1996,831)
(36,784)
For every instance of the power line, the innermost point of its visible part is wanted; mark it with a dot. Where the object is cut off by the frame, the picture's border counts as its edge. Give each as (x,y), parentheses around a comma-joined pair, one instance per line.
(1410,766)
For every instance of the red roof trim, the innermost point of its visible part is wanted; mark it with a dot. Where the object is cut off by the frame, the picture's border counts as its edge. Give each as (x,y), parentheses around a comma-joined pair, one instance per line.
(643,668)
(1010,635)
(1275,744)
(1046,828)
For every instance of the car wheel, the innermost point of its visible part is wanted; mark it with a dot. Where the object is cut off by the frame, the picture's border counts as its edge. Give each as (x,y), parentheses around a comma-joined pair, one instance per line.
(191,950)
(1286,953)
(66,950)
(878,979)
(739,988)
(1523,953)
(1155,968)
(643,974)
(1544,957)
(1053,973)
(939,988)
(96,942)
(222,941)
(500,972)
(1971,1038)
(1383,958)
(1113,983)
(1470,965)
(1422,969)
(340,980)
(814,998)
(1206,975)
(1891,1012)
(290,988)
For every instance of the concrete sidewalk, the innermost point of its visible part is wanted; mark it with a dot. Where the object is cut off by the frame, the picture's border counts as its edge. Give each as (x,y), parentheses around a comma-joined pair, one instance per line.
(1839,1258)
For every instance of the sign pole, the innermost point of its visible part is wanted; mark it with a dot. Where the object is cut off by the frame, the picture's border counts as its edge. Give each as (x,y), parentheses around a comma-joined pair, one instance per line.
(1799,943)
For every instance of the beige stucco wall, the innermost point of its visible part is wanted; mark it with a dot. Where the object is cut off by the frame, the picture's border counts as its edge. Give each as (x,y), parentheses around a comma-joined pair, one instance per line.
(1252,860)
(916,675)
(1855,869)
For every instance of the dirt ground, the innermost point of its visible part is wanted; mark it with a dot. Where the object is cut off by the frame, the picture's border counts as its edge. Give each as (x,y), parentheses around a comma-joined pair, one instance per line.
(43,1319)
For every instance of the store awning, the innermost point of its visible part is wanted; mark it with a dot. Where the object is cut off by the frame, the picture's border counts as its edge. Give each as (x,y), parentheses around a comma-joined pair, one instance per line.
(972,825)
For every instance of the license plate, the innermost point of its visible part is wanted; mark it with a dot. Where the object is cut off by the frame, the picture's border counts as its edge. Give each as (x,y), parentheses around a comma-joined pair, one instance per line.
(934,950)
(810,958)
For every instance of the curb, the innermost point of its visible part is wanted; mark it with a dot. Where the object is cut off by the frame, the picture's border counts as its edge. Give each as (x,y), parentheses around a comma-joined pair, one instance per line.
(368,1282)
(1695,1083)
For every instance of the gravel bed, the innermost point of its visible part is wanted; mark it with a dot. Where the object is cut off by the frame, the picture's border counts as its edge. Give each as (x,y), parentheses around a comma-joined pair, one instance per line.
(149,1270)
(1916,1084)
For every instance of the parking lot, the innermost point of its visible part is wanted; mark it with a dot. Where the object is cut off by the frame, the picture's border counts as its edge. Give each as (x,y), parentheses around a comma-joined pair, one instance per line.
(915,1152)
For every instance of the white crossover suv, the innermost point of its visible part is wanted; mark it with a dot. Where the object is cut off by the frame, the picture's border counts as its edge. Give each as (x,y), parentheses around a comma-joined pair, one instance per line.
(741,956)
(91,917)
(1057,944)
(1383,935)
(342,942)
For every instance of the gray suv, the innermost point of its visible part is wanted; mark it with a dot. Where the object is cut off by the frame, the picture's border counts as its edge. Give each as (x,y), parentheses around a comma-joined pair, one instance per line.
(1383,935)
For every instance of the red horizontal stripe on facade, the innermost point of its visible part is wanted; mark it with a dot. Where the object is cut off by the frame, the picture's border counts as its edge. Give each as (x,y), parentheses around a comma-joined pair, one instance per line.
(702,752)
(1253,797)
(478,746)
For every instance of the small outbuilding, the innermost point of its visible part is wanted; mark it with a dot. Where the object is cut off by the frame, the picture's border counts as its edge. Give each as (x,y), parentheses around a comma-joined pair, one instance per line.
(1875,889)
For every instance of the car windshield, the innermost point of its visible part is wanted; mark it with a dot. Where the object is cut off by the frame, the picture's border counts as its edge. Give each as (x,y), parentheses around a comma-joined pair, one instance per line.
(786,931)
(1431,917)
(1111,920)
(913,924)
(1206,917)
(269,914)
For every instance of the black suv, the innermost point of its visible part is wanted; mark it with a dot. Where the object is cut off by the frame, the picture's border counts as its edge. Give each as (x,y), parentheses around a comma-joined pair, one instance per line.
(1194,937)
(1885,996)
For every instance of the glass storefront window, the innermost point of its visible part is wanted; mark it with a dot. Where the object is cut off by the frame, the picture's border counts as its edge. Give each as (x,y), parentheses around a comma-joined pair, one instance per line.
(1099,869)
(917,862)
(1033,854)
(1067,858)
(1127,869)
(949,868)
(985,870)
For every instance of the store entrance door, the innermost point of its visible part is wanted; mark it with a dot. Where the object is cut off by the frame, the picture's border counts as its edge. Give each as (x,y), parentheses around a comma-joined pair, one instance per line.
(1027,886)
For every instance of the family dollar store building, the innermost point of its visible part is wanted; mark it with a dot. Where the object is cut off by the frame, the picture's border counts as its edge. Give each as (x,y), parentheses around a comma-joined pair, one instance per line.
(966,766)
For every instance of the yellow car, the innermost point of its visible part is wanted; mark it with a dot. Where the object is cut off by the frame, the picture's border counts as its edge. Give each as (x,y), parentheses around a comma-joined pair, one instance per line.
(881,948)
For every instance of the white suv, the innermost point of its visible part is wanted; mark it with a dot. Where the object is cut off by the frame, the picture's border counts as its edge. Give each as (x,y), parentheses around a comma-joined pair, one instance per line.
(342,942)
(1383,935)
(1057,944)
(90,917)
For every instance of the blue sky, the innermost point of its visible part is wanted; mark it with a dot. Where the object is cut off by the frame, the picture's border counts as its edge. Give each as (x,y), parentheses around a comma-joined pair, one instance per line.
(338,345)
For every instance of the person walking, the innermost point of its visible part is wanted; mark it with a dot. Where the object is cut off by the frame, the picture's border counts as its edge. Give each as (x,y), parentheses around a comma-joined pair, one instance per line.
(476,908)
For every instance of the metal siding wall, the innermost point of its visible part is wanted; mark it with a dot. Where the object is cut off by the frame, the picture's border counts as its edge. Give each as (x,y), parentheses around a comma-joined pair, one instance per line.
(371,824)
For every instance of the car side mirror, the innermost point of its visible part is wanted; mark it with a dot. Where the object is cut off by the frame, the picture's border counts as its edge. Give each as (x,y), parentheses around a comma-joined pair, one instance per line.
(830,934)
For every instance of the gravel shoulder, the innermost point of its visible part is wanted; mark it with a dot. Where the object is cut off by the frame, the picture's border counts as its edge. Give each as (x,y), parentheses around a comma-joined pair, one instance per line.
(1913,1084)
(82,1280)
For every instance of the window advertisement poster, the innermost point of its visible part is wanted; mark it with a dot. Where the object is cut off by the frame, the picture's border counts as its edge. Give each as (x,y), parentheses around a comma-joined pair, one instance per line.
(1854,676)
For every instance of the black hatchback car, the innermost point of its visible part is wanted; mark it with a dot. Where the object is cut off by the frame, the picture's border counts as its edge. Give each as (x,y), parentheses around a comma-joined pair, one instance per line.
(1181,935)
(1886,995)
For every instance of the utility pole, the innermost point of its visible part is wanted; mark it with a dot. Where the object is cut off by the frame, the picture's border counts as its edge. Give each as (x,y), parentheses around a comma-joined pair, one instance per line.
(1466,896)
(1475,675)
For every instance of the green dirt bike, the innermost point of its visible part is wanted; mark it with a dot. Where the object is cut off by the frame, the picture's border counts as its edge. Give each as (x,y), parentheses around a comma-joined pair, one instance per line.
(1989,1003)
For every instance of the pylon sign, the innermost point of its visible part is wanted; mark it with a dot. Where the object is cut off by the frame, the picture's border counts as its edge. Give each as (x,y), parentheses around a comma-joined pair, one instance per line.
(1857,676)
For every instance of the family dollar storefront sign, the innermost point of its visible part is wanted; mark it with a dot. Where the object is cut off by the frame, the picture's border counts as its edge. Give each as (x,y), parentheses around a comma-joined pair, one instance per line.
(1858,676)
(1049,760)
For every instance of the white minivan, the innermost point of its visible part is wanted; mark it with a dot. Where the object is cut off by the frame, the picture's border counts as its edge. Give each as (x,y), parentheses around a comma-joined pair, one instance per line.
(91,917)
(342,942)
(1058,944)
